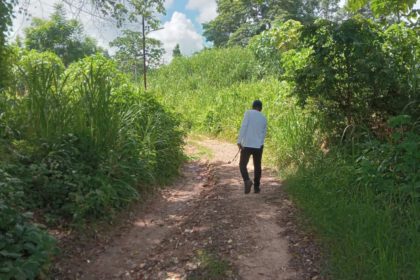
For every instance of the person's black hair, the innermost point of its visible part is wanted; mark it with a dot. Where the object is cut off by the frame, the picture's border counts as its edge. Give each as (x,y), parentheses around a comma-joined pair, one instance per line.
(257,104)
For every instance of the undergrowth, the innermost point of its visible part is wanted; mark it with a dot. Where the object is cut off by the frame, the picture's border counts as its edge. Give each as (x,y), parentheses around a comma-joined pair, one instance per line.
(76,146)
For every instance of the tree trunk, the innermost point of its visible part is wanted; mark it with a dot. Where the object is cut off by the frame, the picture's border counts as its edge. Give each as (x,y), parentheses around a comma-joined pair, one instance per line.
(144,54)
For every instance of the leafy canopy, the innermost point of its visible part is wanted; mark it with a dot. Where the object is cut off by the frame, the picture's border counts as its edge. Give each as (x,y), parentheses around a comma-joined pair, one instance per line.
(384,7)
(5,23)
(239,20)
(131,10)
(61,36)
(129,55)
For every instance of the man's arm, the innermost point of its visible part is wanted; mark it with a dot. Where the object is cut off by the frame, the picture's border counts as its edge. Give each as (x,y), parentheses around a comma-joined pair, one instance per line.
(264,130)
(243,129)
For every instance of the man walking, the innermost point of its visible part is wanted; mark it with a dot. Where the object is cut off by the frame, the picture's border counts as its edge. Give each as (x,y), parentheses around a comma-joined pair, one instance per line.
(251,142)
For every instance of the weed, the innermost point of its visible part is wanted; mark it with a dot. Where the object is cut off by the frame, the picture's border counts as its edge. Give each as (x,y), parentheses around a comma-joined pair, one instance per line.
(210,267)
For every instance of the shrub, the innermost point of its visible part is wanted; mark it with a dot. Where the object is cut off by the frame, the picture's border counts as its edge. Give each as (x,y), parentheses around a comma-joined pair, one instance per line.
(357,74)
(91,142)
(25,250)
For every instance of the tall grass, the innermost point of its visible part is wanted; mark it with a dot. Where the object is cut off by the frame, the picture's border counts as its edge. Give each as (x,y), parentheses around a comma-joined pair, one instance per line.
(366,234)
(76,145)
(93,141)
(213,89)
(92,83)
(38,85)
(363,203)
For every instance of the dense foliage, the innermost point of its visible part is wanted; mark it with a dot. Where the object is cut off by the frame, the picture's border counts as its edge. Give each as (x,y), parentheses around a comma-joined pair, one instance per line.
(357,73)
(61,36)
(77,144)
(401,8)
(25,249)
(5,22)
(239,21)
(78,141)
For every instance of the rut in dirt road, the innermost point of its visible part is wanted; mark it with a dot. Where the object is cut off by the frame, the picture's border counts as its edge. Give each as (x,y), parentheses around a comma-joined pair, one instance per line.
(205,227)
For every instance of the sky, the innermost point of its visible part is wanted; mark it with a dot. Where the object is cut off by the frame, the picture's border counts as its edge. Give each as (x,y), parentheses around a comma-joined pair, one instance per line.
(181,25)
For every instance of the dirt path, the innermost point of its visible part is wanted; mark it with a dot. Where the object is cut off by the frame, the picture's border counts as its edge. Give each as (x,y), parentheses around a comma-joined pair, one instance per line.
(204,227)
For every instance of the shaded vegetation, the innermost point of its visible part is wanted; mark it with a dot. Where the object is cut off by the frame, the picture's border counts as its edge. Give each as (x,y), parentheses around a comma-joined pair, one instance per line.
(77,144)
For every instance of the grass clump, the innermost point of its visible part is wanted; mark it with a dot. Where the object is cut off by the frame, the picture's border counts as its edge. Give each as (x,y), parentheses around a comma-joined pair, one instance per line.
(210,267)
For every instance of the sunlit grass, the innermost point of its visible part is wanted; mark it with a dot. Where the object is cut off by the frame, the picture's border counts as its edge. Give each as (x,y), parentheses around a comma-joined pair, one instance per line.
(363,233)
(200,151)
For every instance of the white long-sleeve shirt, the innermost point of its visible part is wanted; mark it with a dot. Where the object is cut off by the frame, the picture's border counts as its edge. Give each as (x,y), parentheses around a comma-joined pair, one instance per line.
(253,129)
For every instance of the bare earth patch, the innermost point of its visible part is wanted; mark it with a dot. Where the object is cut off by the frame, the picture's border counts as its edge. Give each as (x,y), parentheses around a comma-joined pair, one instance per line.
(201,227)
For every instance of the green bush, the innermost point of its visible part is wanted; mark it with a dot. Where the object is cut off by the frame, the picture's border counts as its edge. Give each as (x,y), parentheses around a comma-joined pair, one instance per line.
(11,189)
(357,74)
(92,86)
(88,142)
(25,250)
(390,169)
(270,46)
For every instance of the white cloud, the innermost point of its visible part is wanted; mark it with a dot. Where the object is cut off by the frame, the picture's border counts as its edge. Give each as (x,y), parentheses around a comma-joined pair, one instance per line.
(207,9)
(179,30)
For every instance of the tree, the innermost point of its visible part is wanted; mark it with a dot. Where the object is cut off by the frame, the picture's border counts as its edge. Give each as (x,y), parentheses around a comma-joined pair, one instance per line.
(5,22)
(398,8)
(176,52)
(130,53)
(238,21)
(271,46)
(64,37)
(144,11)
(328,9)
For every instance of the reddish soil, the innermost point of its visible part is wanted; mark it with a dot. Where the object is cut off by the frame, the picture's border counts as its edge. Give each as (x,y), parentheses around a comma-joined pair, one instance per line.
(201,227)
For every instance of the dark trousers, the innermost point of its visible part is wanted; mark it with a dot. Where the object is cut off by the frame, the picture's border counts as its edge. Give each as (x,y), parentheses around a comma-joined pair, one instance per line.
(243,162)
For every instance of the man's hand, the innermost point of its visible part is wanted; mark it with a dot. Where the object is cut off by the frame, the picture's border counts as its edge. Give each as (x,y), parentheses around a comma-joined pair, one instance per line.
(239,146)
